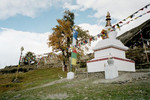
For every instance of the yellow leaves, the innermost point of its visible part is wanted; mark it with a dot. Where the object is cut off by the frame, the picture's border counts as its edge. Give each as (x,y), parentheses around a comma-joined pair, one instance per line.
(61,33)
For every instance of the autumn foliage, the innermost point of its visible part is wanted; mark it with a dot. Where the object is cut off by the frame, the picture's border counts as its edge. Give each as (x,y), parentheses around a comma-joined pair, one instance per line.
(61,38)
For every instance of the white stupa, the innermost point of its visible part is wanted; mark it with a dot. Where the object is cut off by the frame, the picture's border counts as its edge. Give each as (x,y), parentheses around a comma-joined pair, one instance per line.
(110,47)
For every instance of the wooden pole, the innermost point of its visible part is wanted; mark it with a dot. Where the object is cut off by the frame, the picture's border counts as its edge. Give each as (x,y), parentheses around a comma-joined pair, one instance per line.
(18,66)
(146,52)
(144,47)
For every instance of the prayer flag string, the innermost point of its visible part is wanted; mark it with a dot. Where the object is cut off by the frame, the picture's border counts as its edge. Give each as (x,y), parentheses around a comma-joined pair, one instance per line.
(120,24)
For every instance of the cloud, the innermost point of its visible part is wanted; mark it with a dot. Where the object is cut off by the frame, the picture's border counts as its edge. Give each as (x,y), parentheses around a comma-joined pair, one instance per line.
(28,8)
(93,29)
(118,8)
(12,40)
(71,7)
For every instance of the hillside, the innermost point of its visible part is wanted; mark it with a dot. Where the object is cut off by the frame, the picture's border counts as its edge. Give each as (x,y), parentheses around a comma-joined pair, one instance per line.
(29,79)
(138,41)
(132,36)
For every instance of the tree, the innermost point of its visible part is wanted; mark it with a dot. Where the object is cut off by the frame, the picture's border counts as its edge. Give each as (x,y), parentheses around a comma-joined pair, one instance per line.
(29,58)
(61,38)
(69,16)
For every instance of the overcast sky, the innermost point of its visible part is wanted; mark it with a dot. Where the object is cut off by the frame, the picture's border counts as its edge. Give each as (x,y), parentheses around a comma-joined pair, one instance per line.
(28,23)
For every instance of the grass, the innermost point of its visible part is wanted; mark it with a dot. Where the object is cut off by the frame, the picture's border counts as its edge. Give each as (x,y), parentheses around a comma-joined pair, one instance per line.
(76,89)
(29,79)
(81,90)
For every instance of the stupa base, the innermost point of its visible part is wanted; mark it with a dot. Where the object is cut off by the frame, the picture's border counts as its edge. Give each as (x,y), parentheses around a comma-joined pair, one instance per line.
(123,64)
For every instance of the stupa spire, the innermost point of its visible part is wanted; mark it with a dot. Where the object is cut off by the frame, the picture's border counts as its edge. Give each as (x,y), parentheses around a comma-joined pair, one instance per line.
(108,19)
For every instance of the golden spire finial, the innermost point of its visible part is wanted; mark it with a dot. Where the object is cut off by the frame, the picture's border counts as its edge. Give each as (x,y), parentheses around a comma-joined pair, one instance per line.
(108,23)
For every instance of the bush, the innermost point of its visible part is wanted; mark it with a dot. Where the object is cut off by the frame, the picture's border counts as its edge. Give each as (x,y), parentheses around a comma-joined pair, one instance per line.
(139,56)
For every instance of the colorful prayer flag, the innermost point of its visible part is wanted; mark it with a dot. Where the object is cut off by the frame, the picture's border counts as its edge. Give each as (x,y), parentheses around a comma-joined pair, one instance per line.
(141,8)
(74,61)
(74,52)
(132,16)
(148,12)
(136,18)
(120,22)
(74,41)
(118,26)
(75,34)
(74,56)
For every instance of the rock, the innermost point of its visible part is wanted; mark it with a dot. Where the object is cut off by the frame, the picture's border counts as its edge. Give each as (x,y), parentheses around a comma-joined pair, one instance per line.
(86,98)
(17,96)
(16,81)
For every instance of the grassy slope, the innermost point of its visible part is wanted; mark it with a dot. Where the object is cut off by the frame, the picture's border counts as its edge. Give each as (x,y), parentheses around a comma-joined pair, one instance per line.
(77,89)
(29,79)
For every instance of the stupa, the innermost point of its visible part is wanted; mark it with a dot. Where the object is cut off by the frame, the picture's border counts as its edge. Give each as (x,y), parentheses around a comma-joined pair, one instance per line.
(110,47)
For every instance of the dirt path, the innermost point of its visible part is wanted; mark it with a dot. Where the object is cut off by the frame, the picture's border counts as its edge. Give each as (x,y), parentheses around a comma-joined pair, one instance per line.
(48,84)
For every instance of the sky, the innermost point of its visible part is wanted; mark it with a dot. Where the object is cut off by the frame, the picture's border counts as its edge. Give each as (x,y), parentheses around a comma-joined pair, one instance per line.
(28,23)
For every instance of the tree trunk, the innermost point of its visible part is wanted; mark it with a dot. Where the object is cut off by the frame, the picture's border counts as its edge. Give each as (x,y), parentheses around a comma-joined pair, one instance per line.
(64,61)
(67,51)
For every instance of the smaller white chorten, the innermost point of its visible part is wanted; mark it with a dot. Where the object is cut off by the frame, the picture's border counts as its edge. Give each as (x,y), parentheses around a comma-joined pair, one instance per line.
(111,46)
(111,71)
(70,75)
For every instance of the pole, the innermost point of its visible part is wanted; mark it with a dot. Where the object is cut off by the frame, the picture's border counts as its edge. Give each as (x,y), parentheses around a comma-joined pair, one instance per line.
(75,34)
(71,57)
(18,66)
(71,63)
(146,52)
(144,47)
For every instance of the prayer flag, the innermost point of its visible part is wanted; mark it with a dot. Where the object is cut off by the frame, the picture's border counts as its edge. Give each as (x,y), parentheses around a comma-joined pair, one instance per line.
(75,34)
(141,8)
(146,6)
(128,22)
(74,52)
(74,41)
(132,16)
(74,61)
(140,15)
(74,56)
(118,26)
(136,18)
(98,35)
(136,12)
(114,28)
(148,12)
(120,22)
(124,20)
